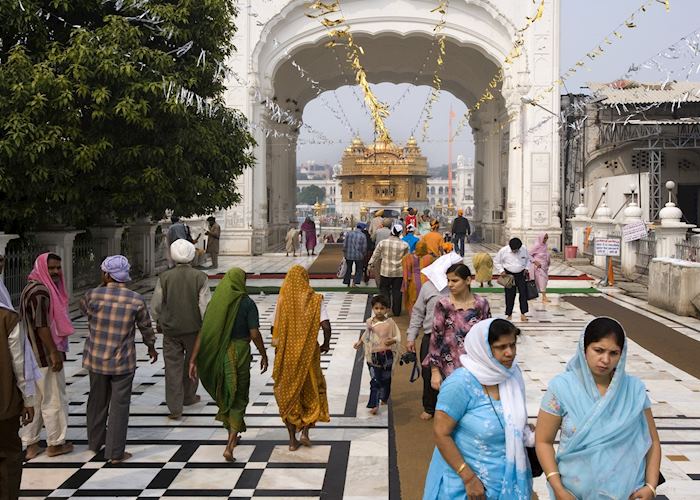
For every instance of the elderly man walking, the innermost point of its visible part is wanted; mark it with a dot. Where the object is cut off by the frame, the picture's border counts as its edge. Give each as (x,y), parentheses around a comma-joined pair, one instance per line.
(44,312)
(16,393)
(390,252)
(178,305)
(214,235)
(354,251)
(113,312)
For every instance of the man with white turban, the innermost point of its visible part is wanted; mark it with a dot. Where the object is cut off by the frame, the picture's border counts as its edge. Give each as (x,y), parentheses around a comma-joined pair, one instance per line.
(179,301)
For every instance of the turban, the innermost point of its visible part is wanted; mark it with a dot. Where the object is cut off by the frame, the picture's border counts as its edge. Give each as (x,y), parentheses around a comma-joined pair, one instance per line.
(182,251)
(460,212)
(117,266)
(361,225)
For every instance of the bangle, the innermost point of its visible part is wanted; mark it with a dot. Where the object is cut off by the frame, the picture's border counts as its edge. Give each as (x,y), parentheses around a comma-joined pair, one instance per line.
(653,490)
(461,468)
(555,473)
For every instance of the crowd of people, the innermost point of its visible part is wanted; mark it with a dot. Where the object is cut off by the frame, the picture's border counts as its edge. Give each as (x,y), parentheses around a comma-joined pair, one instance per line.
(473,390)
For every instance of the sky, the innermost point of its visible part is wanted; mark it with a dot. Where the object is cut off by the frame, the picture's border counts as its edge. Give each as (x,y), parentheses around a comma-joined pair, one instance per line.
(584,24)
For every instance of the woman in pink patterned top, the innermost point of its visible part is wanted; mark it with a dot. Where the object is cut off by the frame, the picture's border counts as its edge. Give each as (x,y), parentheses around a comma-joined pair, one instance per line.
(454,317)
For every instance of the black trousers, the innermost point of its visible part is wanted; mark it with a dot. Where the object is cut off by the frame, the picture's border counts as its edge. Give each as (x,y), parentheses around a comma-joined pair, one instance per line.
(391,289)
(459,243)
(521,289)
(430,395)
(10,459)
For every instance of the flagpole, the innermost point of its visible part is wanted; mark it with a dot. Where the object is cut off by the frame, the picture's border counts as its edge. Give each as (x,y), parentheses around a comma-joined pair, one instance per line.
(449,160)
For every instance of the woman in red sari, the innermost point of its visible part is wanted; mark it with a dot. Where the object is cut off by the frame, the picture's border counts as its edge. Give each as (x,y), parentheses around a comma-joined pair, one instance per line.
(309,230)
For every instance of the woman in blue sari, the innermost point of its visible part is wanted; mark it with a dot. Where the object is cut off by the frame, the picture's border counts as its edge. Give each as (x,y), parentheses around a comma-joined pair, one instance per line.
(480,423)
(609,447)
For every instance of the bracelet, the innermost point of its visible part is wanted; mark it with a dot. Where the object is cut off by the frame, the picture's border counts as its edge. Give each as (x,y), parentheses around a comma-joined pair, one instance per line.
(653,490)
(555,473)
(461,468)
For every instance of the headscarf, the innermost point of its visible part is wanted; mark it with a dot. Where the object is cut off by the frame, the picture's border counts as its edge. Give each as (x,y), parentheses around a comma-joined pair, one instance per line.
(296,326)
(213,364)
(540,246)
(117,266)
(60,324)
(605,458)
(421,249)
(308,225)
(396,229)
(5,299)
(361,226)
(182,251)
(479,361)
(436,271)
(447,247)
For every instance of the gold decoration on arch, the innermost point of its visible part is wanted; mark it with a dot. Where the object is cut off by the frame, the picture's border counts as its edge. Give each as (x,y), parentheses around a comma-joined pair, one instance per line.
(437,82)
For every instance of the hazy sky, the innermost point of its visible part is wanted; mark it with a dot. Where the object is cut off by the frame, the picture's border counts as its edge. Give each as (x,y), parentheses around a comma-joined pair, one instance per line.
(584,23)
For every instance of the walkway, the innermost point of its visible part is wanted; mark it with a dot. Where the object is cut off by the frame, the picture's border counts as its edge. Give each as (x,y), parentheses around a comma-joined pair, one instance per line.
(354,455)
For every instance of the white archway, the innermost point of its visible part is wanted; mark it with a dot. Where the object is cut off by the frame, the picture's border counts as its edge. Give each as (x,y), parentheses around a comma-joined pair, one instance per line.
(478,34)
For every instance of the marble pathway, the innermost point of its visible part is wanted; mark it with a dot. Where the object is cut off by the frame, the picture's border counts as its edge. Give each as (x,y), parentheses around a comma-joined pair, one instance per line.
(350,458)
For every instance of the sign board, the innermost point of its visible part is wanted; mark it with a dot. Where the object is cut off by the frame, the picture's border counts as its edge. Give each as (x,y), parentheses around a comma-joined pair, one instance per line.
(606,247)
(635,231)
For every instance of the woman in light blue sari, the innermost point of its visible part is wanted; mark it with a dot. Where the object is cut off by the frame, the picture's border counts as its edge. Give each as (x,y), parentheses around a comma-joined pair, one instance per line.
(480,425)
(609,447)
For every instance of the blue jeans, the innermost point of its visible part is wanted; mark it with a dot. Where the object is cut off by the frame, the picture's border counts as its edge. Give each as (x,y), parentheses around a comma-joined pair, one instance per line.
(459,243)
(380,384)
(359,266)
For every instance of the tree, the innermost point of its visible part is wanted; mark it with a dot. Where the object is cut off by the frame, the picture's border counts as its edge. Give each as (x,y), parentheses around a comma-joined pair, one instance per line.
(310,194)
(91,128)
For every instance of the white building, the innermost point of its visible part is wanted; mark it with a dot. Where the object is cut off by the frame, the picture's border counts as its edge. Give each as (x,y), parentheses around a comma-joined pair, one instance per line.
(516,178)
(462,188)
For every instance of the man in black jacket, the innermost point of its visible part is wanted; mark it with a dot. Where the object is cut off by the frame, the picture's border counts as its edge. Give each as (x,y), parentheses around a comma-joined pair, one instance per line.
(460,230)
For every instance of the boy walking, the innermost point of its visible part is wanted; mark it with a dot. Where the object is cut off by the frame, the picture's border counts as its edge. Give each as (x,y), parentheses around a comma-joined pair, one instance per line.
(381,340)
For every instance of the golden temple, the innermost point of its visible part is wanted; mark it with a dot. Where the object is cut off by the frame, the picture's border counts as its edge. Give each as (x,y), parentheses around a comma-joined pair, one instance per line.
(383,176)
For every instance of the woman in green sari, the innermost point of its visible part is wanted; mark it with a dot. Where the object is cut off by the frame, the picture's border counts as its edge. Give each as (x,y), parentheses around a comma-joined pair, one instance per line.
(221,354)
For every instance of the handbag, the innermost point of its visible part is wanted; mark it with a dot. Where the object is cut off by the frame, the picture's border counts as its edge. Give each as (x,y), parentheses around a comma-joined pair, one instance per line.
(506,281)
(342,269)
(532,292)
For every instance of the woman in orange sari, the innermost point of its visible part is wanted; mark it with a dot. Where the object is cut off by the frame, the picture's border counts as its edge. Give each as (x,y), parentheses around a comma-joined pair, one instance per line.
(426,258)
(300,388)
(410,287)
(434,239)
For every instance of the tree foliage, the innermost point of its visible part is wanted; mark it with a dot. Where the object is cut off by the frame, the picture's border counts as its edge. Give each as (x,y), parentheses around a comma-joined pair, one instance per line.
(88,131)
(310,195)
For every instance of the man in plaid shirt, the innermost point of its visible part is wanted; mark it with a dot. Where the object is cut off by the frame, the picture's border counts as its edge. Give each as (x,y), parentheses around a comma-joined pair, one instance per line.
(113,312)
(391,253)
(354,250)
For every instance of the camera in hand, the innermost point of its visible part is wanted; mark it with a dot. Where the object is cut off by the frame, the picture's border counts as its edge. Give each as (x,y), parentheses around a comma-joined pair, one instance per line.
(407,358)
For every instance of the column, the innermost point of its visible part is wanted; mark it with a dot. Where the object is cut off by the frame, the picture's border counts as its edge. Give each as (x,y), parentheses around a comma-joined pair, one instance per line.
(4,240)
(143,240)
(107,239)
(61,243)
(578,230)
(672,230)
(633,214)
(602,225)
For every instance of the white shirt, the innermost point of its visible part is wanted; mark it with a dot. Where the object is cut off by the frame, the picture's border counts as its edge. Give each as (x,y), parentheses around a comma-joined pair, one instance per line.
(514,262)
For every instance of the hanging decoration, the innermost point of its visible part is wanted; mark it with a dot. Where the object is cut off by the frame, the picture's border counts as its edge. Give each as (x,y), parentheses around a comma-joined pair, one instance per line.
(437,82)
(339,33)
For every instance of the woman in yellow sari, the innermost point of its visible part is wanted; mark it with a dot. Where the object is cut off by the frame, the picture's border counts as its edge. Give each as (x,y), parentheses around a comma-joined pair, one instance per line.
(300,388)
(483,265)
(426,258)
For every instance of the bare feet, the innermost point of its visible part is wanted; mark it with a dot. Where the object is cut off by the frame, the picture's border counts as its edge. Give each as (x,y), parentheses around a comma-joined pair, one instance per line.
(374,410)
(294,444)
(425,416)
(509,317)
(524,318)
(61,449)
(384,403)
(126,456)
(33,450)
(304,438)
(197,399)
(232,442)
(173,416)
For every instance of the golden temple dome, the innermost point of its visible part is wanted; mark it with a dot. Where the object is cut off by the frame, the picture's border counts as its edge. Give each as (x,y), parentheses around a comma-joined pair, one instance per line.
(357,142)
(412,142)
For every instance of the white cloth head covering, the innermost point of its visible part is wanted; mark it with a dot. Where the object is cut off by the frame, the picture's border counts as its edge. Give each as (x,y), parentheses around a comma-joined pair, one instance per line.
(479,361)
(396,229)
(436,271)
(182,251)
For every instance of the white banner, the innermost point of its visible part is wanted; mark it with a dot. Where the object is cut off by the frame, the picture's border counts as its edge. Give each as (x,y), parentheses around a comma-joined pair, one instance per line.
(635,231)
(606,247)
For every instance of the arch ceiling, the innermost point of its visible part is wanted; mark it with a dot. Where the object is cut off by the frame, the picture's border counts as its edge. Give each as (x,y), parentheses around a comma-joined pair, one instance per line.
(389,57)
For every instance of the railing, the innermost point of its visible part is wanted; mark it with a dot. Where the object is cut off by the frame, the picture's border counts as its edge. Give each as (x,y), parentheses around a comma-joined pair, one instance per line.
(688,250)
(20,255)
(646,251)
(86,265)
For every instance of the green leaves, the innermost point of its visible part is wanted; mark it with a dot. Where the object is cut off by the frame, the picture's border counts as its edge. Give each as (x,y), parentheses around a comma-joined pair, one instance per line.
(86,129)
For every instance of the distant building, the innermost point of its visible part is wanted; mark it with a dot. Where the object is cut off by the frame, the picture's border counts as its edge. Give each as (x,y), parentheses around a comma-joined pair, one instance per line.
(314,170)
(462,188)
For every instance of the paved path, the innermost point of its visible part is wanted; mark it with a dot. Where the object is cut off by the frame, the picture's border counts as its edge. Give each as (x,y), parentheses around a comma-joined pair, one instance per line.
(351,458)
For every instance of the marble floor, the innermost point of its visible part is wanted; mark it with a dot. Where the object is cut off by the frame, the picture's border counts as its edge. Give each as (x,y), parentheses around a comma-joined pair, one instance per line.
(350,459)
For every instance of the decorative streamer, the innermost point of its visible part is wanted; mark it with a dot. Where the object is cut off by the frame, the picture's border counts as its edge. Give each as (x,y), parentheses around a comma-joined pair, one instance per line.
(339,33)
(442,7)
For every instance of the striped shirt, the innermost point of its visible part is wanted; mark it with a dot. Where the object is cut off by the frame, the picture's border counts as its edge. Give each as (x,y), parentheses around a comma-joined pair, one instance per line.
(34,310)
(113,312)
(355,245)
(390,252)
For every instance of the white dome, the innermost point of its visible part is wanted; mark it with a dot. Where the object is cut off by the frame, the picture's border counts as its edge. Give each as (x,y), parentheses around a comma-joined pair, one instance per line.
(633,213)
(670,215)
(603,212)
